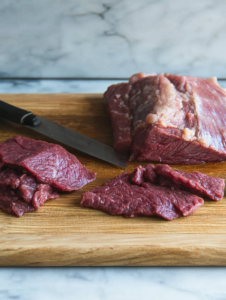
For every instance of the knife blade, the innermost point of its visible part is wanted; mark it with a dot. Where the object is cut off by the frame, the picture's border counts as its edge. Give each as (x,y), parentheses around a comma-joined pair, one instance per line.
(61,134)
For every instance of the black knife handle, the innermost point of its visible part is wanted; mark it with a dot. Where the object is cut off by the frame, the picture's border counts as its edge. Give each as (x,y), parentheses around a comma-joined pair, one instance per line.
(17,115)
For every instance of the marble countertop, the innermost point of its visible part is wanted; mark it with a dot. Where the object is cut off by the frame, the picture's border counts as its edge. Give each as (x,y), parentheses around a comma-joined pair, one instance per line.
(55,86)
(111,38)
(112,283)
(60,86)
(104,283)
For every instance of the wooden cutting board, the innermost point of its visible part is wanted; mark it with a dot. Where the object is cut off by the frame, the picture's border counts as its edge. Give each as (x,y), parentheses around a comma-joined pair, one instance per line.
(62,233)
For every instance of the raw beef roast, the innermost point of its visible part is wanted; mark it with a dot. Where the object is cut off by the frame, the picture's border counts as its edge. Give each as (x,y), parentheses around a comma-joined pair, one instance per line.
(117,100)
(129,195)
(169,118)
(32,169)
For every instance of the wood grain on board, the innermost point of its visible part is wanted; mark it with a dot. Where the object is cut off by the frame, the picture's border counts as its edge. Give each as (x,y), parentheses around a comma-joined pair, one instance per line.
(63,233)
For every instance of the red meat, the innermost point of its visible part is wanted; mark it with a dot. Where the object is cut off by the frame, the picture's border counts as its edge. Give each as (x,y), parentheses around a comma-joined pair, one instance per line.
(121,197)
(174,119)
(194,182)
(48,163)
(32,169)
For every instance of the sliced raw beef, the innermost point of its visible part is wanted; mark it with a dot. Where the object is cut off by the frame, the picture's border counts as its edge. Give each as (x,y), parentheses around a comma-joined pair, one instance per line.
(48,163)
(22,189)
(194,182)
(43,193)
(11,203)
(137,176)
(150,174)
(121,197)
(185,202)
(36,193)
(27,187)
(175,119)
(10,177)
(116,98)
(32,169)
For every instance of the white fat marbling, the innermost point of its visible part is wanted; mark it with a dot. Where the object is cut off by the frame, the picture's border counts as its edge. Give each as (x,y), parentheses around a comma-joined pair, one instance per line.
(112,38)
(112,283)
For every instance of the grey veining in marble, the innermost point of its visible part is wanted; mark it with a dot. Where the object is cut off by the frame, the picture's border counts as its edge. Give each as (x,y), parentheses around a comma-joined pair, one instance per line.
(112,38)
(55,86)
(112,283)
(60,86)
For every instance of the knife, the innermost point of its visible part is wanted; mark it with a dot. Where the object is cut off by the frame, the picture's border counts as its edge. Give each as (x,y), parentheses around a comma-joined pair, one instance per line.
(61,134)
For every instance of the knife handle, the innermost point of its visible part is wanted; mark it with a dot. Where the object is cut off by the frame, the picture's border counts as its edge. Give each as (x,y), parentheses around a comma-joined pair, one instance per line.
(17,115)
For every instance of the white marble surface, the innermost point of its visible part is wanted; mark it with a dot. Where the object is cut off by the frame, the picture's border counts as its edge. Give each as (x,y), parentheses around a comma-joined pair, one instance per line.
(55,86)
(60,86)
(112,283)
(101,283)
(112,38)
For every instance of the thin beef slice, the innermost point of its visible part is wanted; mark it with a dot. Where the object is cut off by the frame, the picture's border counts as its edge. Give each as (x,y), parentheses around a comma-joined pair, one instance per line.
(150,174)
(48,163)
(43,193)
(23,188)
(11,203)
(137,176)
(194,182)
(36,193)
(10,177)
(120,197)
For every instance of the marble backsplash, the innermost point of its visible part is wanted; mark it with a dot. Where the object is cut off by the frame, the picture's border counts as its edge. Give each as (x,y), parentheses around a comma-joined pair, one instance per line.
(112,38)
